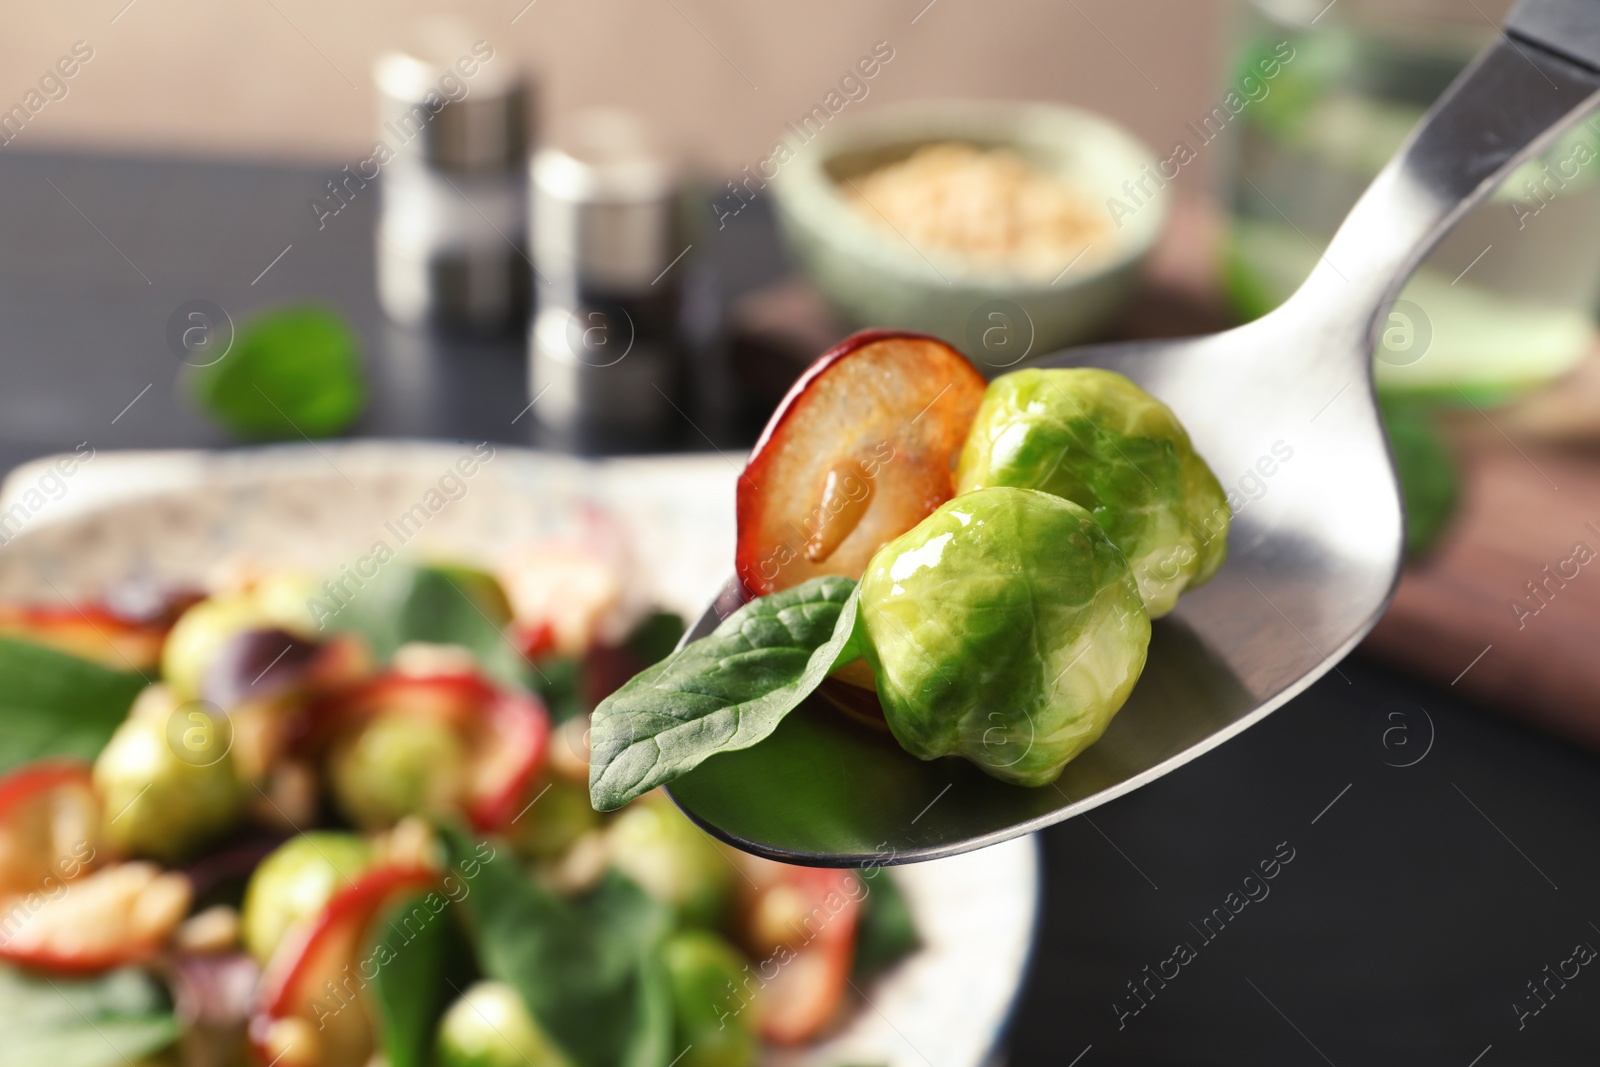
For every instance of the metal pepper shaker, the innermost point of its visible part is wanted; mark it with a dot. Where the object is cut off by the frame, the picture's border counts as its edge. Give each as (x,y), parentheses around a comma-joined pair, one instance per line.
(607,354)
(454,131)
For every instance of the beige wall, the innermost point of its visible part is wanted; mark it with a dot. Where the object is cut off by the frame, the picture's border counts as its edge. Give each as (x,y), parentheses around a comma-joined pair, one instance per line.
(268,78)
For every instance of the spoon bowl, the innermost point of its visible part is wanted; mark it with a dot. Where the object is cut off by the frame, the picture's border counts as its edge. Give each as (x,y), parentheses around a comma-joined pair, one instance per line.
(1283,410)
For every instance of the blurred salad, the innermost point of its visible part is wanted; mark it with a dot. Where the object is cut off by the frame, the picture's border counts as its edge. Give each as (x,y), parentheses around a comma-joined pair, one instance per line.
(229,834)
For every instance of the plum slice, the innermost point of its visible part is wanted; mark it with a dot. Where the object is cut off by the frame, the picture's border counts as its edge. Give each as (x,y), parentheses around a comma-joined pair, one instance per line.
(60,909)
(801,922)
(117,915)
(90,631)
(860,451)
(504,734)
(299,1018)
(49,826)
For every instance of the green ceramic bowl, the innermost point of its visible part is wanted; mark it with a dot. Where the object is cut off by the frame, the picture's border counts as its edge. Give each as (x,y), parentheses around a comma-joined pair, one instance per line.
(874,278)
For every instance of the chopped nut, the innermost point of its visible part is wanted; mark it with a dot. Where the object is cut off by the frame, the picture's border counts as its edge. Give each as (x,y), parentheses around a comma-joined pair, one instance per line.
(214,930)
(126,911)
(420,659)
(293,1042)
(290,797)
(410,843)
(583,865)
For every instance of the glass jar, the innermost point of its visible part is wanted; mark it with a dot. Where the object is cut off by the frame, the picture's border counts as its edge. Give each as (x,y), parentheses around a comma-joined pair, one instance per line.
(1508,300)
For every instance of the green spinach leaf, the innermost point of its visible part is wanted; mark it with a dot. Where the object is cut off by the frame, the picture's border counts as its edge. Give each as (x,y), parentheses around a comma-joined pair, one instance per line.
(418,954)
(108,1021)
(440,605)
(560,683)
(290,374)
(1430,479)
(887,933)
(724,692)
(588,969)
(656,636)
(55,704)
(650,1036)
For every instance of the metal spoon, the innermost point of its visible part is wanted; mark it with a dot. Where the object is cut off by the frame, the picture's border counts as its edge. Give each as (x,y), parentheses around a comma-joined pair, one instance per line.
(1312,562)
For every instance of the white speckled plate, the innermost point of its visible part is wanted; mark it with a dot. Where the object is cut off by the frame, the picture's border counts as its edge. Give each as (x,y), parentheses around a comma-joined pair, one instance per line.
(174,514)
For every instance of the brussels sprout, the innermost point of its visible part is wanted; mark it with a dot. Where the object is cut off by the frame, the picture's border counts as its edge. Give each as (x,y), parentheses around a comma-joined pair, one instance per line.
(561,814)
(491,1027)
(1006,628)
(709,1008)
(671,859)
(285,598)
(295,882)
(1100,441)
(276,601)
(256,664)
(199,635)
(161,799)
(396,765)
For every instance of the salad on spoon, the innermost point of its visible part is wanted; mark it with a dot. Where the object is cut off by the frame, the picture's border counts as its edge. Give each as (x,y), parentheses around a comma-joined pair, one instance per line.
(972,567)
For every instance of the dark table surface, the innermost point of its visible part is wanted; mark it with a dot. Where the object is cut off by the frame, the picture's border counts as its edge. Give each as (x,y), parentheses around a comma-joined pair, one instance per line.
(1433,864)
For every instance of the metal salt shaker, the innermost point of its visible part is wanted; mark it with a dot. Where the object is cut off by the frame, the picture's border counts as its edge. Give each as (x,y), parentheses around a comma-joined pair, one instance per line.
(607,352)
(455,119)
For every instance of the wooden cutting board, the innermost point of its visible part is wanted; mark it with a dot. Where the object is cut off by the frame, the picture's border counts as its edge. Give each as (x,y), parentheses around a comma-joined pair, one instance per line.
(1507,609)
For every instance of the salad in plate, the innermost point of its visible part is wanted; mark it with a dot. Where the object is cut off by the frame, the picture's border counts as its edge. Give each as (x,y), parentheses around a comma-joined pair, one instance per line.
(234,830)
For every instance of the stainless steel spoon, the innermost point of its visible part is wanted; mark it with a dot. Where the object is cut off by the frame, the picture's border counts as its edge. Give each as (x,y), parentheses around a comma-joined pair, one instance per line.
(1312,563)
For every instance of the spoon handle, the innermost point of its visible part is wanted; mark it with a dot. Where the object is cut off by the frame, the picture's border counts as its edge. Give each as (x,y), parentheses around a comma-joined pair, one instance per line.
(1512,101)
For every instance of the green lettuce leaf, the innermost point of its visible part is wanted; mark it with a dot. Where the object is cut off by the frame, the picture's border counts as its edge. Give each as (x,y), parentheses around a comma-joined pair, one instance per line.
(442,605)
(724,692)
(1429,476)
(108,1021)
(291,374)
(55,704)
(587,969)
(887,933)
(422,956)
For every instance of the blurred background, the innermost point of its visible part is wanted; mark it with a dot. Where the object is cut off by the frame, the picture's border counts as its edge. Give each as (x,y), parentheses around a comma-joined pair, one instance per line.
(194,191)
(292,80)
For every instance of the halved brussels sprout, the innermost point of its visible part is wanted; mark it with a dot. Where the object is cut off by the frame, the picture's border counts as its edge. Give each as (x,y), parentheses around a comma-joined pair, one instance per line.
(201,632)
(295,882)
(713,1021)
(1006,628)
(396,765)
(671,859)
(560,814)
(1096,439)
(275,601)
(257,664)
(491,1027)
(162,800)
